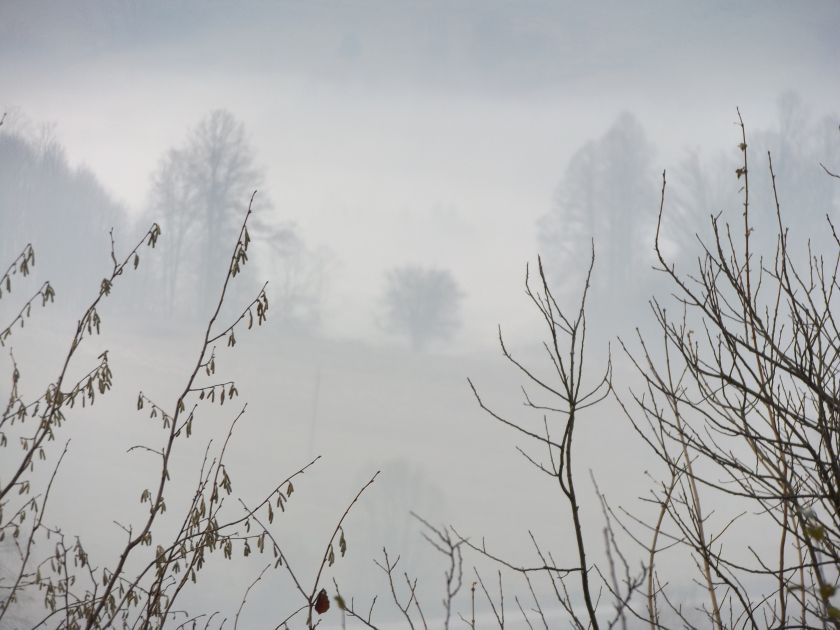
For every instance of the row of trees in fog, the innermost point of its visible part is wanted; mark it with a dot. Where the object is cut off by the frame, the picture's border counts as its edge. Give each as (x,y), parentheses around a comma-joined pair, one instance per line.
(608,193)
(197,192)
(196,195)
(66,207)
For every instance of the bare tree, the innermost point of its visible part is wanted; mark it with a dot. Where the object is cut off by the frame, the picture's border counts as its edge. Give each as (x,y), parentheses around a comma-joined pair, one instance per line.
(744,406)
(197,194)
(564,399)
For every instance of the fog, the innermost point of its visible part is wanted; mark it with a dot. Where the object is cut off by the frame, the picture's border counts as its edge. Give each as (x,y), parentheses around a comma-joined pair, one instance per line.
(409,160)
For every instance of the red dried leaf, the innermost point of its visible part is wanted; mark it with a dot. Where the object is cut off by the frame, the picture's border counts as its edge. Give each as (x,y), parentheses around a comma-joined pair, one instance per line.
(322,602)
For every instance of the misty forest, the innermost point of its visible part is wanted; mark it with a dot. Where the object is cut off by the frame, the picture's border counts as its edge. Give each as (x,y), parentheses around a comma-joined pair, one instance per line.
(419,315)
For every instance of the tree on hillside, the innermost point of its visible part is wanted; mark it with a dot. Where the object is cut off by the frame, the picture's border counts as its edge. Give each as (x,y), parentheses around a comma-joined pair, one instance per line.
(607,193)
(197,192)
(422,303)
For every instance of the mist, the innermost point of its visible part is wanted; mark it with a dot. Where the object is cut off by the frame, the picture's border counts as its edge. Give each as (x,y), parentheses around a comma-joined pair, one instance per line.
(404,169)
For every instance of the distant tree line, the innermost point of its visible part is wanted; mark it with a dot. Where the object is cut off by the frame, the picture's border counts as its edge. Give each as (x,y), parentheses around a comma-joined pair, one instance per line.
(65,207)
(609,192)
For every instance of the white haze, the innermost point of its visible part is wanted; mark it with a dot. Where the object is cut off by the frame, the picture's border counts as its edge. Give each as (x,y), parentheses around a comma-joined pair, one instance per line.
(390,133)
